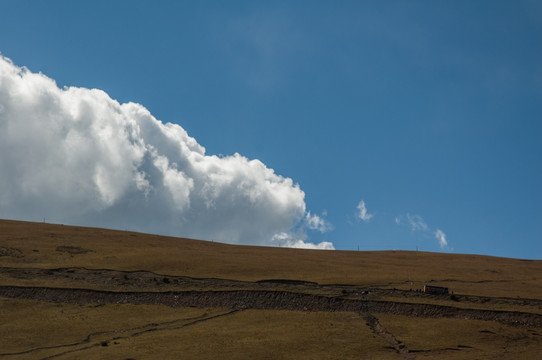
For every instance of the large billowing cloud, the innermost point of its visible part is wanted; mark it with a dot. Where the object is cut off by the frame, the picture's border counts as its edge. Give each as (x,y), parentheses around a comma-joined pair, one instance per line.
(75,155)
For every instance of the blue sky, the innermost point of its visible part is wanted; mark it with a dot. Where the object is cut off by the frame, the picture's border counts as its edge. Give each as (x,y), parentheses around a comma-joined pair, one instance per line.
(430,112)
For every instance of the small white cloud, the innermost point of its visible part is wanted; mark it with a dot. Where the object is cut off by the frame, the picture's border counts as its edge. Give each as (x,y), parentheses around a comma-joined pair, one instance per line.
(441,237)
(292,241)
(416,222)
(362,213)
(315,222)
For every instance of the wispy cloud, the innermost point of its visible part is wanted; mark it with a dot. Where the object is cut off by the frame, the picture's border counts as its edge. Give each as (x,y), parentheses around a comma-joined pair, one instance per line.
(77,156)
(260,47)
(416,222)
(441,237)
(362,213)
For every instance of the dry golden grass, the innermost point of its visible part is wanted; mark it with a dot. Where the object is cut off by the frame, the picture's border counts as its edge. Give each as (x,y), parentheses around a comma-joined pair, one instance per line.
(126,331)
(466,274)
(143,331)
(28,324)
(256,335)
(464,339)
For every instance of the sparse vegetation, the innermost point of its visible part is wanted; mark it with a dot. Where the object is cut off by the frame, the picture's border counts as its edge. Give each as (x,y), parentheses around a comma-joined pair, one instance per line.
(85,258)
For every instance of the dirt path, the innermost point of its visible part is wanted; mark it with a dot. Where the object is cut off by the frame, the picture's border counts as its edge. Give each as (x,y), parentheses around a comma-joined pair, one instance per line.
(381,331)
(105,338)
(264,299)
(166,326)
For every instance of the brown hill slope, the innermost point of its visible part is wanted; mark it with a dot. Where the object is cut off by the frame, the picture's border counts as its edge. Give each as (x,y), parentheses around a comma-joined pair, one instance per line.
(40,245)
(71,292)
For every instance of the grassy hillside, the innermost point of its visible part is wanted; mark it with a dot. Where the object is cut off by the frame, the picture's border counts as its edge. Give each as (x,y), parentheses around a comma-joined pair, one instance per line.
(48,246)
(55,256)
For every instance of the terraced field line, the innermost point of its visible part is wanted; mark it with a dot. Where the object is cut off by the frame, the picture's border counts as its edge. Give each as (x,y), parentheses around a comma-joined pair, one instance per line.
(267,300)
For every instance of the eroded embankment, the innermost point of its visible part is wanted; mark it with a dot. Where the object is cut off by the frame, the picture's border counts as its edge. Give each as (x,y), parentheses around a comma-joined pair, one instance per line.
(268,300)
(144,281)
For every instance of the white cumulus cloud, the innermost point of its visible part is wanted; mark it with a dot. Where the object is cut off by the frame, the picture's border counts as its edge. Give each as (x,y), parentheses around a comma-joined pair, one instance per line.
(362,213)
(298,241)
(77,156)
(317,223)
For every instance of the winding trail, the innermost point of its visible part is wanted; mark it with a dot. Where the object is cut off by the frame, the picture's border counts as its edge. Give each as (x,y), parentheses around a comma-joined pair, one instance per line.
(103,338)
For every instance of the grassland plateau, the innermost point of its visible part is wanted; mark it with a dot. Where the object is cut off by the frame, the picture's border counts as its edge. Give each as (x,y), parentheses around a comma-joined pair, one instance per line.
(85,293)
